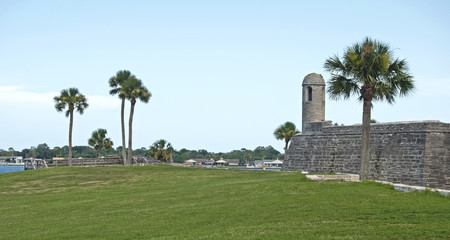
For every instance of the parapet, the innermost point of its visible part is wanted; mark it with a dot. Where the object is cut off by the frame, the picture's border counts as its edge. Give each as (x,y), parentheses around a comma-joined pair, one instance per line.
(315,127)
(388,127)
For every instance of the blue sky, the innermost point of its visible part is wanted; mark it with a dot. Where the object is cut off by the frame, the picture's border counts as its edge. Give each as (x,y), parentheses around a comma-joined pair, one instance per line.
(223,74)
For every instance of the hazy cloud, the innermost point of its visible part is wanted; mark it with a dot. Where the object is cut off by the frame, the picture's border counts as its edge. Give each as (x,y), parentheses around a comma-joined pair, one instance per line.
(17,95)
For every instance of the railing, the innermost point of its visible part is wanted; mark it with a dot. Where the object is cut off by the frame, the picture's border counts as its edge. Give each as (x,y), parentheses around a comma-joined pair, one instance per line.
(34,164)
(79,162)
(86,162)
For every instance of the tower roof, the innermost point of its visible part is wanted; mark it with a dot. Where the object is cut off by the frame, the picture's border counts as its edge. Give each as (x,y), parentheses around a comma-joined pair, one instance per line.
(313,79)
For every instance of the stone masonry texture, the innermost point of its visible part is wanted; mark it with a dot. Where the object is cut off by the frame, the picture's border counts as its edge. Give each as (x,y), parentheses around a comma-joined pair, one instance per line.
(412,153)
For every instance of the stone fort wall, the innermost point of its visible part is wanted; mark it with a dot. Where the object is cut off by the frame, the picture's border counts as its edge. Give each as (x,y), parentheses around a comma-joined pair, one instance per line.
(412,153)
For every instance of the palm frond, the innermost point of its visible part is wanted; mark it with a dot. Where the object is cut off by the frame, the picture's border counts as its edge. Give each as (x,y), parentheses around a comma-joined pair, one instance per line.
(71,99)
(334,64)
(340,86)
(369,64)
(116,82)
(135,89)
(285,131)
(99,141)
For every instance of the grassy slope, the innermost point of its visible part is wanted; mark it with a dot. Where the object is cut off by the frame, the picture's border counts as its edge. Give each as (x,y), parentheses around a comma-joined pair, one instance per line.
(180,203)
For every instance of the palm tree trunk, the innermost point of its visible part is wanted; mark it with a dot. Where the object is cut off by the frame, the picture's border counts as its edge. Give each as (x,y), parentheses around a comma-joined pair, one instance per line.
(70,137)
(365,139)
(122,118)
(130,133)
(286,147)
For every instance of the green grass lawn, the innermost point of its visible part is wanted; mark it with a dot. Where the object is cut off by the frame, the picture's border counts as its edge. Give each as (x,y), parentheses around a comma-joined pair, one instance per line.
(186,203)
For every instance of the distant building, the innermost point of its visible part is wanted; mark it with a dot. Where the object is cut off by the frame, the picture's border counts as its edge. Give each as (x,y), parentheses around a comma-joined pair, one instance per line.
(232,162)
(198,161)
(209,162)
(260,163)
(11,159)
(275,164)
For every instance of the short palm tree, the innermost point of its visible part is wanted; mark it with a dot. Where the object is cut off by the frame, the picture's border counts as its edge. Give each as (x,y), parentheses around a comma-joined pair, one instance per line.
(369,71)
(73,100)
(285,132)
(162,150)
(248,157)
(99,141)
(116,83)
(133,89)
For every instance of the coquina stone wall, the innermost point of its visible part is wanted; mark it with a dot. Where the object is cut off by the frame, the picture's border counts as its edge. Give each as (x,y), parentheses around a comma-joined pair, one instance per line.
(412,153)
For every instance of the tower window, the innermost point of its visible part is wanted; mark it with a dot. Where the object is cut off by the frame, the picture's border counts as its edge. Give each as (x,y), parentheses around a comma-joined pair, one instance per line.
(309,93)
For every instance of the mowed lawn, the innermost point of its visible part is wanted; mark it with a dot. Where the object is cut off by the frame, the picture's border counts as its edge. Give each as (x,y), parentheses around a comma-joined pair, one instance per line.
(165,202)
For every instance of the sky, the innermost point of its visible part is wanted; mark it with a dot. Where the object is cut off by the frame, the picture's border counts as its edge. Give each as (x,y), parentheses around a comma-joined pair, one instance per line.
(223,74)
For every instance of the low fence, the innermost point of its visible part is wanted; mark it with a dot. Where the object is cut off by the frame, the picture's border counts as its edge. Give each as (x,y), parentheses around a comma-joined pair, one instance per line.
(32,164)
(86,162)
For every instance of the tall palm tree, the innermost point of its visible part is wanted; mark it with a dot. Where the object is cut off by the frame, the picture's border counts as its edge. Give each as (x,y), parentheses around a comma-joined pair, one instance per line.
(133,89)
(162,150)
(369,71)
(71,99)
(285,132)
(116,83)
(99,141)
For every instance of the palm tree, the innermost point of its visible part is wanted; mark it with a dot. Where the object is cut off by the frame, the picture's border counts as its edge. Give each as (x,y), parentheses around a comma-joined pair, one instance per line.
(285,132)
(248,155)
(134,89)
(116,82)
(369,71)
(162,150)
(71,99)
(99,141)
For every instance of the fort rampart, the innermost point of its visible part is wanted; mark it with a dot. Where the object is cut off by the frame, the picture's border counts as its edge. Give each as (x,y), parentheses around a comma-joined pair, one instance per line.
(413,153)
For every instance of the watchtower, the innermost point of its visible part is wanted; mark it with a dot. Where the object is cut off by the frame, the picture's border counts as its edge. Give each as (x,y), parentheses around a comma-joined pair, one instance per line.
(313,102)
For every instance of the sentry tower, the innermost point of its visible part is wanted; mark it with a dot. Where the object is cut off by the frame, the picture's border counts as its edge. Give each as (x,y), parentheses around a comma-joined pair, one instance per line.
(313,102)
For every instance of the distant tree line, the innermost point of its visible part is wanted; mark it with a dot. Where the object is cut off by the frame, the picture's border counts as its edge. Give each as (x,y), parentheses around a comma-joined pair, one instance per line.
(244,155)
(43,151)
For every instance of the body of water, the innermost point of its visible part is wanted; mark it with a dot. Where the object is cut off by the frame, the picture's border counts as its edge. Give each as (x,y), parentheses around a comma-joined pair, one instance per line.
(11,168)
